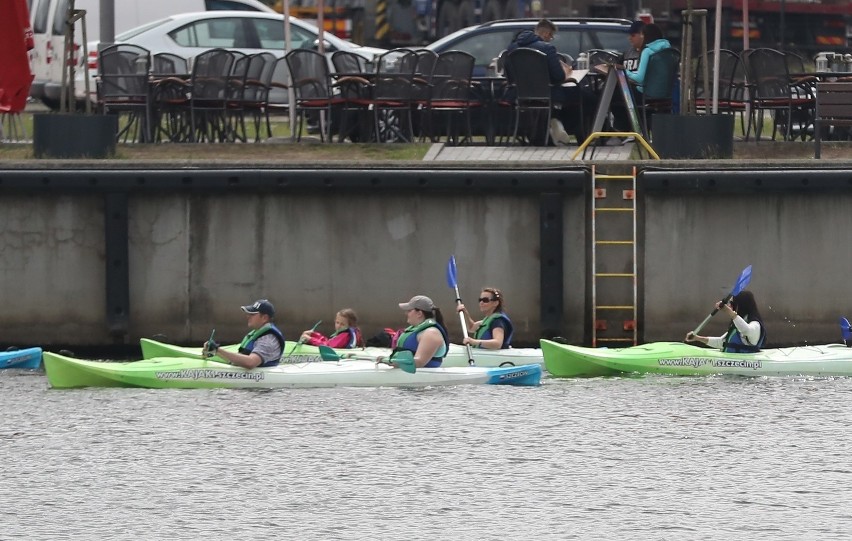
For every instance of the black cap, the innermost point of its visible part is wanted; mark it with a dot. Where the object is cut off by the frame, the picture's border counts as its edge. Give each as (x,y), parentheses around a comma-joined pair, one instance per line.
(636,27)
(261,306)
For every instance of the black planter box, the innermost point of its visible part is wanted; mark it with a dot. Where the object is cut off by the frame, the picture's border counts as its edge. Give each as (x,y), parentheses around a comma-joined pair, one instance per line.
(74,135)
(693,136)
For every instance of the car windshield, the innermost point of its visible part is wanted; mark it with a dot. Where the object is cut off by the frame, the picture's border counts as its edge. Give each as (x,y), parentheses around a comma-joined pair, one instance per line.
(484,46)
(439,45)
(573,41)
(486,43)
(133,32)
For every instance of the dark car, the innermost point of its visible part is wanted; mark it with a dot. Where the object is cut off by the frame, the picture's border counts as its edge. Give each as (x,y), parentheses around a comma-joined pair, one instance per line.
(574,35)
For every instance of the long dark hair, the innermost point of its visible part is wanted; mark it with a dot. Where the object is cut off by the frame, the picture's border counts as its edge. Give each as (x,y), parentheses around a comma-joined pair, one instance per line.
(651,32)
(498,295)
(746,307)
(435,314)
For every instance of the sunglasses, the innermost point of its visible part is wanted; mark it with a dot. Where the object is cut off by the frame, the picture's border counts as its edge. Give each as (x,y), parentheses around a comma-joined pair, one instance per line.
(486,299)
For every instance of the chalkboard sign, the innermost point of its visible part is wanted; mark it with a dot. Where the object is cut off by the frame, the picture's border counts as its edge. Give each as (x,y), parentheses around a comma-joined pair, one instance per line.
(615,79)
(628,100)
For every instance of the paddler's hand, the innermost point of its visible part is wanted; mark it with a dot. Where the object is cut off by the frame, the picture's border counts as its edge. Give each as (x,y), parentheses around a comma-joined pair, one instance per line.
(210,348)
(690,337)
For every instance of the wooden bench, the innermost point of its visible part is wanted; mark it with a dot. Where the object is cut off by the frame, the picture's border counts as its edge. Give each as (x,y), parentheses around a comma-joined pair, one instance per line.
(833,108)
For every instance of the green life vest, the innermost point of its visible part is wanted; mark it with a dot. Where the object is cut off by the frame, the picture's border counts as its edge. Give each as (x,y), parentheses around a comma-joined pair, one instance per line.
(254,335)
(408,339)
(484,330)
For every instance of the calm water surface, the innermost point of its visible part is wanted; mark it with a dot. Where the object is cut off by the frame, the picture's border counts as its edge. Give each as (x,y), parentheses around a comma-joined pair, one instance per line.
(643,458)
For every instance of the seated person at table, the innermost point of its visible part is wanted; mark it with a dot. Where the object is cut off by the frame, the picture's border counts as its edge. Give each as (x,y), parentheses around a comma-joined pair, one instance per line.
(653,41)
(566,100)
(633,54)
(621,120)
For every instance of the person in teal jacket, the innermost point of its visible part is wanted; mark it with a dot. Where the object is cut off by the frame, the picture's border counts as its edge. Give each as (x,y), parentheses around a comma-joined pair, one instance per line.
(653,40)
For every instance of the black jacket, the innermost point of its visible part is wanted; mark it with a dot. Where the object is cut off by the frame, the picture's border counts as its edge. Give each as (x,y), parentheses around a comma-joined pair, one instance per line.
(529,39)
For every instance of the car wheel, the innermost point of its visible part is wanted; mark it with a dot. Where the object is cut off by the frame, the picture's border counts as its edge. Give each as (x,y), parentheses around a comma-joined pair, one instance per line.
(447,19)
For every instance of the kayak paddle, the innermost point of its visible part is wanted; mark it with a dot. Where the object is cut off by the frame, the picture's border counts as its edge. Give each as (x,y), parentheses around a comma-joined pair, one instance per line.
(210,342)
(329,354)
(404,359)
(845,331)
(453,284)
(742,282)
(302,341)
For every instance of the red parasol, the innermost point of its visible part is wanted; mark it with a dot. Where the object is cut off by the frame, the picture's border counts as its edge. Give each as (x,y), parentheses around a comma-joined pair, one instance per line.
(16,38)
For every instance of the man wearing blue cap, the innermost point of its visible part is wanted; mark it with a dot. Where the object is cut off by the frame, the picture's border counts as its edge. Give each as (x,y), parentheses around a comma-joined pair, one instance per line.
(262,346)
(631,55)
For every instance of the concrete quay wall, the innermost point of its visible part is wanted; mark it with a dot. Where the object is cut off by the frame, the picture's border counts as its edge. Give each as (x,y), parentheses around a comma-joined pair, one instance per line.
(106,256)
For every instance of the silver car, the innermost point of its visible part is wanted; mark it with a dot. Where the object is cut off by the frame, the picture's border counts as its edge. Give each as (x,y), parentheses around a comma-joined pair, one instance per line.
(190,34)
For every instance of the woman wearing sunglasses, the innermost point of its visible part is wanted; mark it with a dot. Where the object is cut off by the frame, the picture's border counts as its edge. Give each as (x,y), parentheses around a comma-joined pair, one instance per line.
(494,331)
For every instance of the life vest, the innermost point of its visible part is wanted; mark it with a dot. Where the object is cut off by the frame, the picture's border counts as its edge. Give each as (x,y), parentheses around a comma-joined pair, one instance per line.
(485,330)
(733,342)
(354,336)
(407,341)
(248,343)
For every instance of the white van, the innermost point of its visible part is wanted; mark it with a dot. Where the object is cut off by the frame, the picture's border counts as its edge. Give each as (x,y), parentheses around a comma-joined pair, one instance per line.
(47,65)
(40,21)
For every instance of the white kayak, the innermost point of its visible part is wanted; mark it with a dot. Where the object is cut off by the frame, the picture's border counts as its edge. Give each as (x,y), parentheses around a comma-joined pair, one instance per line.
(187,373)
(295,352)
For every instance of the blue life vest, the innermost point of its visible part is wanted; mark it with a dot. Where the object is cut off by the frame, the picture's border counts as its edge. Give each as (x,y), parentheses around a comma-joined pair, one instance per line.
(408,342)
(733,342)
(248,343)
(485,330)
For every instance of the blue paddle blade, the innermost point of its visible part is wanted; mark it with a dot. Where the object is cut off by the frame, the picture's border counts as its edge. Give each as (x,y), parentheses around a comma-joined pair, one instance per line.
(844,328)
(743,281)
(451,272)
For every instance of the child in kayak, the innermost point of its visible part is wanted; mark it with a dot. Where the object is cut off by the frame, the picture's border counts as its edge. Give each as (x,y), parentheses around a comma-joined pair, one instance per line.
(346,334)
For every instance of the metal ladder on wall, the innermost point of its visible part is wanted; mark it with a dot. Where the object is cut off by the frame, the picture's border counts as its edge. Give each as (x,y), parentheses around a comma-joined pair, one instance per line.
(614,294)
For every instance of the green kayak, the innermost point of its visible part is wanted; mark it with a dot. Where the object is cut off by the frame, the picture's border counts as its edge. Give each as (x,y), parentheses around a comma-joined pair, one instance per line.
(677,358)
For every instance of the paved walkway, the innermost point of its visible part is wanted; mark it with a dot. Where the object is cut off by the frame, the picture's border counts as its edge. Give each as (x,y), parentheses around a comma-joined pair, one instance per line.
(441,153)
